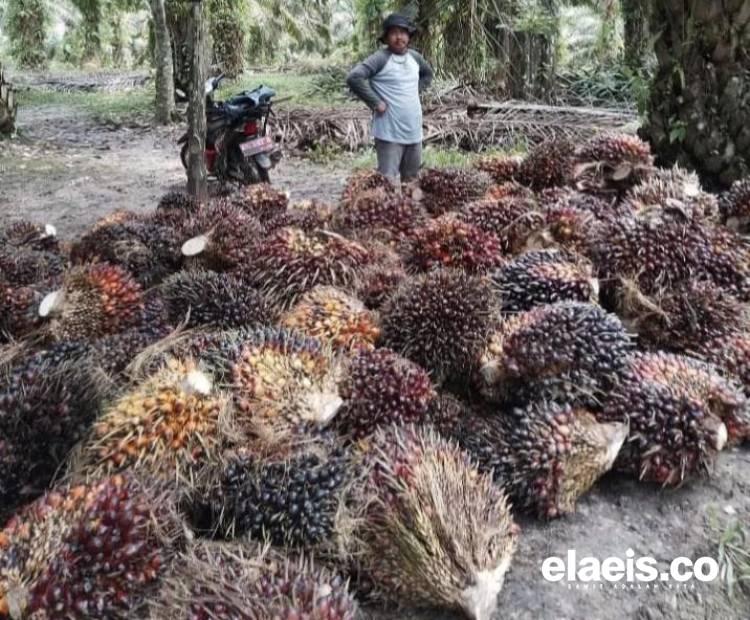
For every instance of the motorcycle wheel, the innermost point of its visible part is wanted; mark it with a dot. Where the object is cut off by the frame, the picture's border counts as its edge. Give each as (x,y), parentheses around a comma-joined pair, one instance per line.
(252,173)
(184,155)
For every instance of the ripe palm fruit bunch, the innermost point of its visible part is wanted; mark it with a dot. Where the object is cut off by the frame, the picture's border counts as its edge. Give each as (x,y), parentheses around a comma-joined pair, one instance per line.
(502,168)
(440,320)
(307,215)
(549,164)
(436,531)
(46,406)
(26,267)
(175,209)
(169,427)
(448,189)
(512,220)
(545,455)
(451,243)
(567,228)
(674,189)
(731,353)
(290,500)
(18,311)
(147,250)
(114,353)
(203,297)
(509,189)
(363,181)
(94,300)
(376,283)
(262,201)
(88,551)
(548,341)
(381,213)
(545,277)
(335,318)
(568,198)
(380,388)
(613,162)
(26,234)
(291,262)
(220,236)
(282,379)
(246,581)
(681,412)
(735,206)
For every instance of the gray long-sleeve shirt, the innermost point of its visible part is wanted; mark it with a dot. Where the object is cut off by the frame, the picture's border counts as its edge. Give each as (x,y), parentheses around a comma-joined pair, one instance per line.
(397,80)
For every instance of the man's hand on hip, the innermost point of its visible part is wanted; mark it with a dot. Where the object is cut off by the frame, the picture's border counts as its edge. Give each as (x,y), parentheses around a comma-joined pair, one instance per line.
(381,107)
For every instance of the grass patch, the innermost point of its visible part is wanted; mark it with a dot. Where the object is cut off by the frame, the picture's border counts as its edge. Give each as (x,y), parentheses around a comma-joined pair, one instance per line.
(732,541)
(298,87)
(435,157)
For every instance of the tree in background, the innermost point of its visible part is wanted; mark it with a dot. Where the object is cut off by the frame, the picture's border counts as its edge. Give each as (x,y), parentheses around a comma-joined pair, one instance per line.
(26,23)
(197,176)
(228,35)
(91,18)
(635,15)
(699,110)
(163,62)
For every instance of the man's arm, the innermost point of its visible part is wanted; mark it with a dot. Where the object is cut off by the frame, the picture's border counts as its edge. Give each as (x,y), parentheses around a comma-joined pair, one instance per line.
(359,78)
(425,71)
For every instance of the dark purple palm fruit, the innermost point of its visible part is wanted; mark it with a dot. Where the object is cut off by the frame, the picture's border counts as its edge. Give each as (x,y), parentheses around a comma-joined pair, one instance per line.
(247,581)
(600,206)
(612,163)
(549,341)
(502,168)
(548,164)
(731,353)
(380,388)
(376,283)
(449,189)
(545,455)
(18,311)
(544,277)
(114,353)
(26,267)
(175,208)
(735,206)
(682,412)
(26,234)
(440,320)
(262,201)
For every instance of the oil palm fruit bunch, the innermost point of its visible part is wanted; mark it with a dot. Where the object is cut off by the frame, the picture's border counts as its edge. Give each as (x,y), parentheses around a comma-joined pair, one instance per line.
(24,266)
(94,300)
(32,236)
(291,262)
(681,413)
(600,206)
(567,228)
(220,237)
(335,318)
(509,189)
(262,201)
(87,551)
(436,531)
(448,189)
(502,168)
(177,201)
(307,215)
(451,243)
(247,581)
(550,340)
(545,455)
(363,181)
(375,283)
(18,311)
(380,388)
(612,162)
(735,206)
(289,500)
(440,320)
(170,426)
(729,352)
(114,353)
(544,277)
(200,297)
(511,220)
(548,164)
(46,406)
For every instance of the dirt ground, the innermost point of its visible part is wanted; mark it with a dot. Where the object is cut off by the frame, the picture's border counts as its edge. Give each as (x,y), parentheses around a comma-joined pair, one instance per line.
(68,171)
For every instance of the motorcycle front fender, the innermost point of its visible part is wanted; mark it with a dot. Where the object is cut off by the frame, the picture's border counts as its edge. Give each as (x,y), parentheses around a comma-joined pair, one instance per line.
(183,138)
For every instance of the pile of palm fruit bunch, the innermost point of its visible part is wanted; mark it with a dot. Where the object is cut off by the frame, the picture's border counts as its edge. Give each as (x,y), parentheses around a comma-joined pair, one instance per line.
(386,384)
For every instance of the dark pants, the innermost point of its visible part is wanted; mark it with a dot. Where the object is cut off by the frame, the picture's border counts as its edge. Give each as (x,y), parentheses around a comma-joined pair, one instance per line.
(399,162)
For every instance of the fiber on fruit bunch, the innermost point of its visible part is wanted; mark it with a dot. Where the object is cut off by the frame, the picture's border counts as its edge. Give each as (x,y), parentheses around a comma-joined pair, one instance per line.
(380,213)
(548,164)
(509,189)
(335,318)
(247,581)
(734,205)
(88,551)
(448,189)
(220,236)
(93,300)
(48,399)
(170,426)
(376,283)
(550,340)
(363,181)
(31,236)
(289,499)
(512,220)
(545,455)
(26,267)
(544,277)
(380,388)
(436,532)
(566,228)
(290,262)
(448,242)
(200,297)
(307,215)
(681,411)
(613,162)
(502,168)
(440,320)
(261,201)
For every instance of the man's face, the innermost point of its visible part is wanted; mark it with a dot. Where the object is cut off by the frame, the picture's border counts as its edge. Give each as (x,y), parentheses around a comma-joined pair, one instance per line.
(397,39)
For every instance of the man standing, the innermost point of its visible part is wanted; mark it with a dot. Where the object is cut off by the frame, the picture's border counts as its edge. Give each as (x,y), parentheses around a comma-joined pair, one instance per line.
(389,82)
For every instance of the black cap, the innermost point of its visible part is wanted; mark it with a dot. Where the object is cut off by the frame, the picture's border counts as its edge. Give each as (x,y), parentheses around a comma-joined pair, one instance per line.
(394,20)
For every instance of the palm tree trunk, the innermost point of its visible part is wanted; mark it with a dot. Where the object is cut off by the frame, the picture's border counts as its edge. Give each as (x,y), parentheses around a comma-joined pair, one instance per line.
(635,18)
(7,106)
(699,112)
(163,63)
(197,181)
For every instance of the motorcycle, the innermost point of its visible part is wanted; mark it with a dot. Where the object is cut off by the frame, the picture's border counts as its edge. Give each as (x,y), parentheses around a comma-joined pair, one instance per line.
(237,144)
